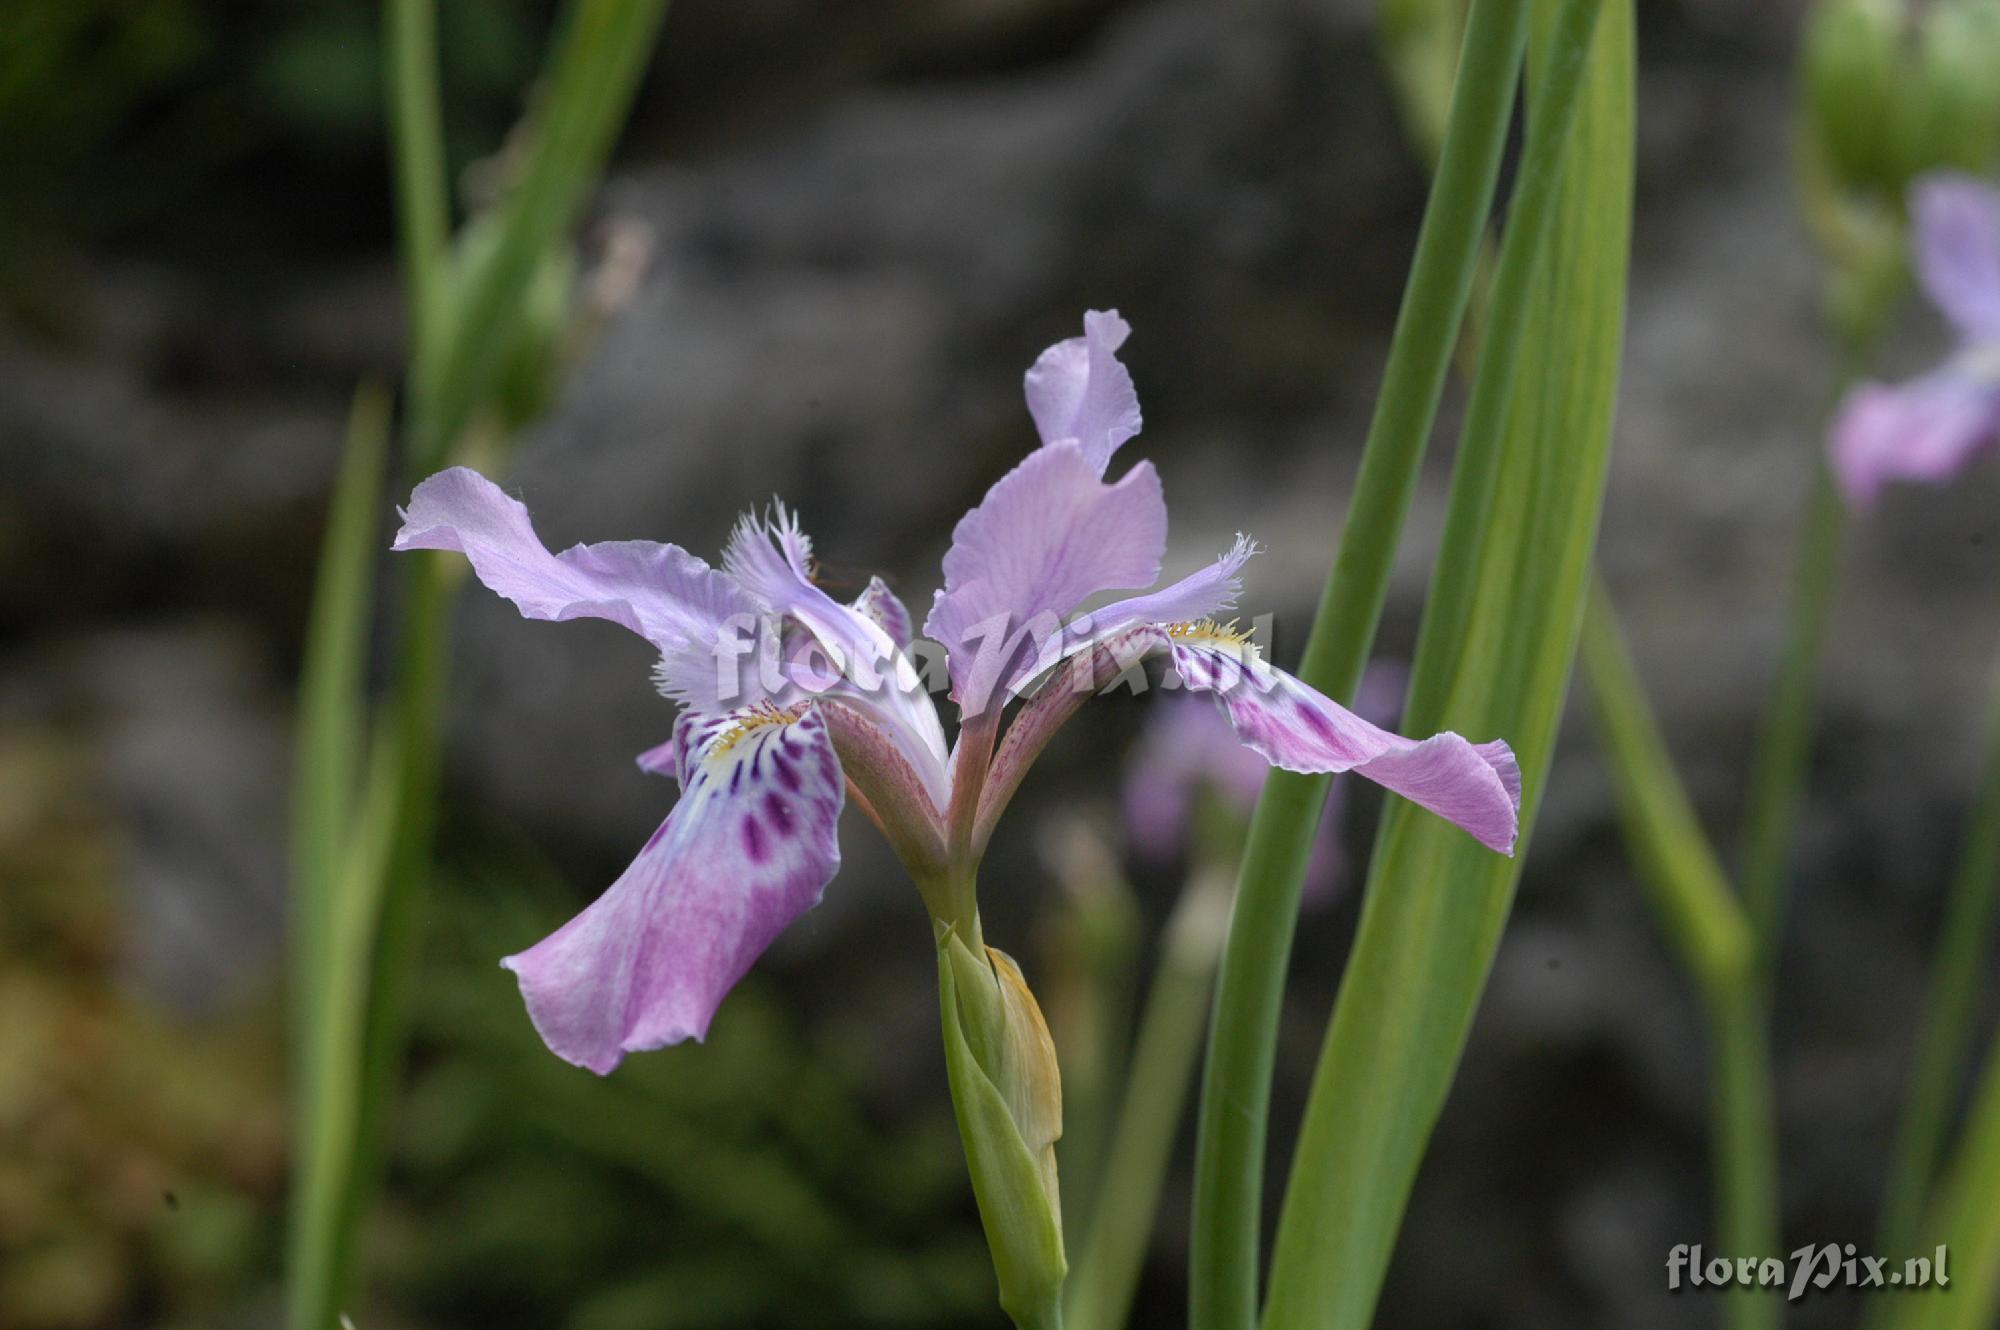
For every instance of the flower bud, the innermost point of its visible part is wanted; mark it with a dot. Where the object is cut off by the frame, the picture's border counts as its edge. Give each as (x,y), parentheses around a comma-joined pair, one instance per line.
(1894,89)
(1007,1093)
(1950,110)
(1852,65)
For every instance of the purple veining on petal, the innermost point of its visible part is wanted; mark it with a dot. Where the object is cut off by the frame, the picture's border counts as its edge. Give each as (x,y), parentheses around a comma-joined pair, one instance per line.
(1078,389)
(649,961)
(1956,221)
(753,838)
(893,793)
(1475,787)
(1054,701)
(1926,430)
(1046,537)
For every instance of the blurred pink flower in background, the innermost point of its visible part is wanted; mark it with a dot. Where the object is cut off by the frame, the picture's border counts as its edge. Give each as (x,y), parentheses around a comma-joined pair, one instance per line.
(1930,428)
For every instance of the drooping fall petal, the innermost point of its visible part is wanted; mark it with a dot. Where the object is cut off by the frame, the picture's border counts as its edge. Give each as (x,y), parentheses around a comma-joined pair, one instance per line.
(1926,430)
(1474,786)
(1188,746)
(749,847)
(661,592)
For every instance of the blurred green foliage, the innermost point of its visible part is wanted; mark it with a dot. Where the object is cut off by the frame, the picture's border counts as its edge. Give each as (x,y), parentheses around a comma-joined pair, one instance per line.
(143,1154)
(117,110)
(745,1181)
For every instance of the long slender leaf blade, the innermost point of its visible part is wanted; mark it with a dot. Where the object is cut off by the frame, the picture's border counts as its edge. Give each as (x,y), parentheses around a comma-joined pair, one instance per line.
(332,717)
(1966,1221)
(1436,902)
(1225,1232)
(591,82)
(322,1236)
(331,710)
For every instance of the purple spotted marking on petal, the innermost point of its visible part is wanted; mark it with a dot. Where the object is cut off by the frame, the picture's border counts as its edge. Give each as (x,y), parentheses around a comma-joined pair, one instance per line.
(649,961)
(753,838)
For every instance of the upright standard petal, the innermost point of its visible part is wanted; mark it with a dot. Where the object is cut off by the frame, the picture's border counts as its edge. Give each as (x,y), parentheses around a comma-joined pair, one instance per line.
(661,592)
(1474,786)
(1957,220)
(1926,430)
(1047,536)
(1078,389)
(881,604)
(859,660)
(749,847)
(1198,596)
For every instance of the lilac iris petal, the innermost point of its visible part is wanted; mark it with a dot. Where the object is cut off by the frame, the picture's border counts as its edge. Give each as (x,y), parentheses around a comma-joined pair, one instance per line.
(1047,536)
(1201,595)
(1188,745)
(1926,430)
(1957,220)
(749,847)
(661,592)
(1077,389)
(662,759)
(879,603)
(862,662)
(1476,787)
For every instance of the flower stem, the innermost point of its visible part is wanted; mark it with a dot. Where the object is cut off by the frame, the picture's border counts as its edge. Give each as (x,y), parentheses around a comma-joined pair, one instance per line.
(1236,1084)
(1746,1147)
(1702,918)
(1965,1226)
(1677,865)
(1784,744)
(1949,1009)
(1784,741)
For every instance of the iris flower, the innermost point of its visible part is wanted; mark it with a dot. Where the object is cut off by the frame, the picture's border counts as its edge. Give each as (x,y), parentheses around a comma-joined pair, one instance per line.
(1930,428)
(793,703)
